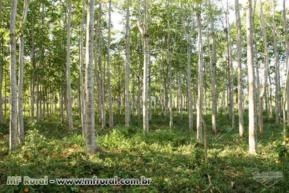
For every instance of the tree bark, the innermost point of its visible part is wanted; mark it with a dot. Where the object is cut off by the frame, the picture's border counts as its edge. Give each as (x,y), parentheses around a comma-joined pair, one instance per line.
(277,69)
(82,70)
(21,74)
(68,73)
(286,101)
(263,90)
(229,70)
(200,137)
(189,81)
(108,68)
(127,67)
(251,97)
(89,81)
(213,62)
(13,133)
(143,28)
(240,74)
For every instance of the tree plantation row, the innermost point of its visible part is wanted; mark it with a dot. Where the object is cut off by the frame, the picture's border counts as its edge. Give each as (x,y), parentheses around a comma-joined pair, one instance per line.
(98,59)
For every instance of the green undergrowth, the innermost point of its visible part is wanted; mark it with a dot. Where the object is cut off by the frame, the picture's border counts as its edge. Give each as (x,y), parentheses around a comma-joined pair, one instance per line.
(170,157)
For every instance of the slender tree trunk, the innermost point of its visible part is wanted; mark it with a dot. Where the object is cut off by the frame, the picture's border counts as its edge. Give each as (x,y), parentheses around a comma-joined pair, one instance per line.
(200,137)
(127,67)
(263,90)
(229,70)
(213,74)
(101,70)
(251,97)
(240,74)
(82,70)
(143,28)
(21,74)
(189,82)
(277,69)
(68,74)
(14,136)
(108,68)
(286,101)
(179,95)
(169,53)
(89,81)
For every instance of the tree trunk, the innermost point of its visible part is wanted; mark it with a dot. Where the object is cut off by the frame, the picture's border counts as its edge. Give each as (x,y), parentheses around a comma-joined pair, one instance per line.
(21,74)
(143,28)
(82,71)
(13,137)
(240,74)
(200,137)
(263,90)
(89,81)
(169,53)
(108,69)
(213,74)
(229,70)
(286,101)
(127,67)
(189,82)
(251,97)
(277,69)
(68,74)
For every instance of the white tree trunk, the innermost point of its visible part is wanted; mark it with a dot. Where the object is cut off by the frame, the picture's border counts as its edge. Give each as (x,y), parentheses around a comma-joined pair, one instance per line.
(229,70)
(68,63)
(143,28)
(277,69)
(287,67)
(251,97)
(200,137)
(21,74)
(89,81)
(263,90)
(213,62)
(240,74)
(127,67)
(110,112)
(189,82)
(82,71)
(13,137)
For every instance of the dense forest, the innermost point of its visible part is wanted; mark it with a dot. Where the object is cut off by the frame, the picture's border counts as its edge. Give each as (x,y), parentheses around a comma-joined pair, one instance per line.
(157,95)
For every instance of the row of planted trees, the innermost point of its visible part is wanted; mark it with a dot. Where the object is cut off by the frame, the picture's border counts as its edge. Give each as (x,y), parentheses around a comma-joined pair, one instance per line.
(170,58)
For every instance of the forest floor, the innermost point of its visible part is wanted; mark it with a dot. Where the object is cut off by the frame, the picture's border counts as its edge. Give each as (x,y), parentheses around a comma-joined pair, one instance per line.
(170,157)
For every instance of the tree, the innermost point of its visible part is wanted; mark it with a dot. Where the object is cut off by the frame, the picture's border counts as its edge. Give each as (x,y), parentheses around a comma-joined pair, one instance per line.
(13,137)
(229,69)
(277,68)
(240,75)
(213,62)
(264,87)
(189,78)
(200,136)
(21,74)
(251,97)
(287,65)
(68,73)
(127,67)
(143,28)
(110,114)
(82,71)
(89,81)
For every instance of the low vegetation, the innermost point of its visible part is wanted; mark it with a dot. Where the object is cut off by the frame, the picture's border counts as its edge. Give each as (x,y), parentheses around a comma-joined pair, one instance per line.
(170,157)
